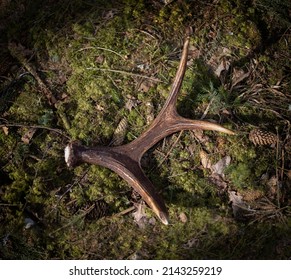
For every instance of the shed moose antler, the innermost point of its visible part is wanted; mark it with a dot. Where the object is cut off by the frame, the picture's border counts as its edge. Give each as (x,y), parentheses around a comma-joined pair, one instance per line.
(125,159)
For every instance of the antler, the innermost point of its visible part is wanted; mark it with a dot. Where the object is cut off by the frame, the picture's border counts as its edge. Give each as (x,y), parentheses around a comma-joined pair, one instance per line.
(125,159)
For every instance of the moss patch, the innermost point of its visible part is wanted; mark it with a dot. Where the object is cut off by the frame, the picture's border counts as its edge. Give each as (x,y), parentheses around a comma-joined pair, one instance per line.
(97,58)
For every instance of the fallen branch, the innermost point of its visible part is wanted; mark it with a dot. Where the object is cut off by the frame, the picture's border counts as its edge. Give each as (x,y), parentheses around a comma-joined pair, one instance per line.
(17,52)
(59,131)
(124,73)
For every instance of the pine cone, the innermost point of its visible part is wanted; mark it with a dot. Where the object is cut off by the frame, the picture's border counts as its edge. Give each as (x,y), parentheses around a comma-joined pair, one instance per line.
(99,210)
(119,133)
(262,137)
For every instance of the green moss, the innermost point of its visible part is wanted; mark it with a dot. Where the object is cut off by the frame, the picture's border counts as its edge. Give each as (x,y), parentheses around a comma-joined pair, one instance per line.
(30,107)
(241,175)
(101,49)
(241,32)
(248,163)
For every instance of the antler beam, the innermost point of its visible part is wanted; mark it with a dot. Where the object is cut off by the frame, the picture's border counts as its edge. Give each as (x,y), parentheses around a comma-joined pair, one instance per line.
(125,159)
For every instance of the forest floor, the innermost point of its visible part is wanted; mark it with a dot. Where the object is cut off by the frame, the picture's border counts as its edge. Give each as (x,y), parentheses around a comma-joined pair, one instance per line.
(99,72)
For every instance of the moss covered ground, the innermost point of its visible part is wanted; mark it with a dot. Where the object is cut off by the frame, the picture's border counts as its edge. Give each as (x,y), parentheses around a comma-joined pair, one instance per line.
(108,62)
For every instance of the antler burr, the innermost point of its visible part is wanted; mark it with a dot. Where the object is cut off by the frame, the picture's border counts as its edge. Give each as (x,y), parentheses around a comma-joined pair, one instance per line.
(125,159)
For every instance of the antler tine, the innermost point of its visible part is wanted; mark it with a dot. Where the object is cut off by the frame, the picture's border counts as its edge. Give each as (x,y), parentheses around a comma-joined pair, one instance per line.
(168,120)
(124,166)
(161,126)
(170,105)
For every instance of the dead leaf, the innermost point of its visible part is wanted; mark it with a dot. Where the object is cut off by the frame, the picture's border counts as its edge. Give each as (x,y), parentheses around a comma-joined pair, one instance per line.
(99,108)
(217,180)
(220,61)
(149,112)
(143,67)
(272,185)
(239,207)
(194,52)
(219,167)
(140,216)
(192,149)
(183,218)
(145,86)
(152,221)
(100,59)
(200,136)
(131,102)
(62,78)
(28,135)
(136,256)
(109,15)
(167,2)
(223,66)
(205,161)
(191,243)
(64,97)
(235,197)
(238,76)
(5,130)
(140,212)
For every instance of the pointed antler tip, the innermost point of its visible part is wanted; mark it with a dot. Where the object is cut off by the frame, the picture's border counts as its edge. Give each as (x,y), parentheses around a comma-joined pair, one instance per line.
(189,31)
(164,218)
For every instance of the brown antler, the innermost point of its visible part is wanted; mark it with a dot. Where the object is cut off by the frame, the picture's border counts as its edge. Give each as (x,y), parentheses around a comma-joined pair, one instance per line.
(125,159)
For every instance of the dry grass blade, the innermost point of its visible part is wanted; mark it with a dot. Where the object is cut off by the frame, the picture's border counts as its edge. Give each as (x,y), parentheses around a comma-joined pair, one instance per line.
(266,210)
(17,52)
